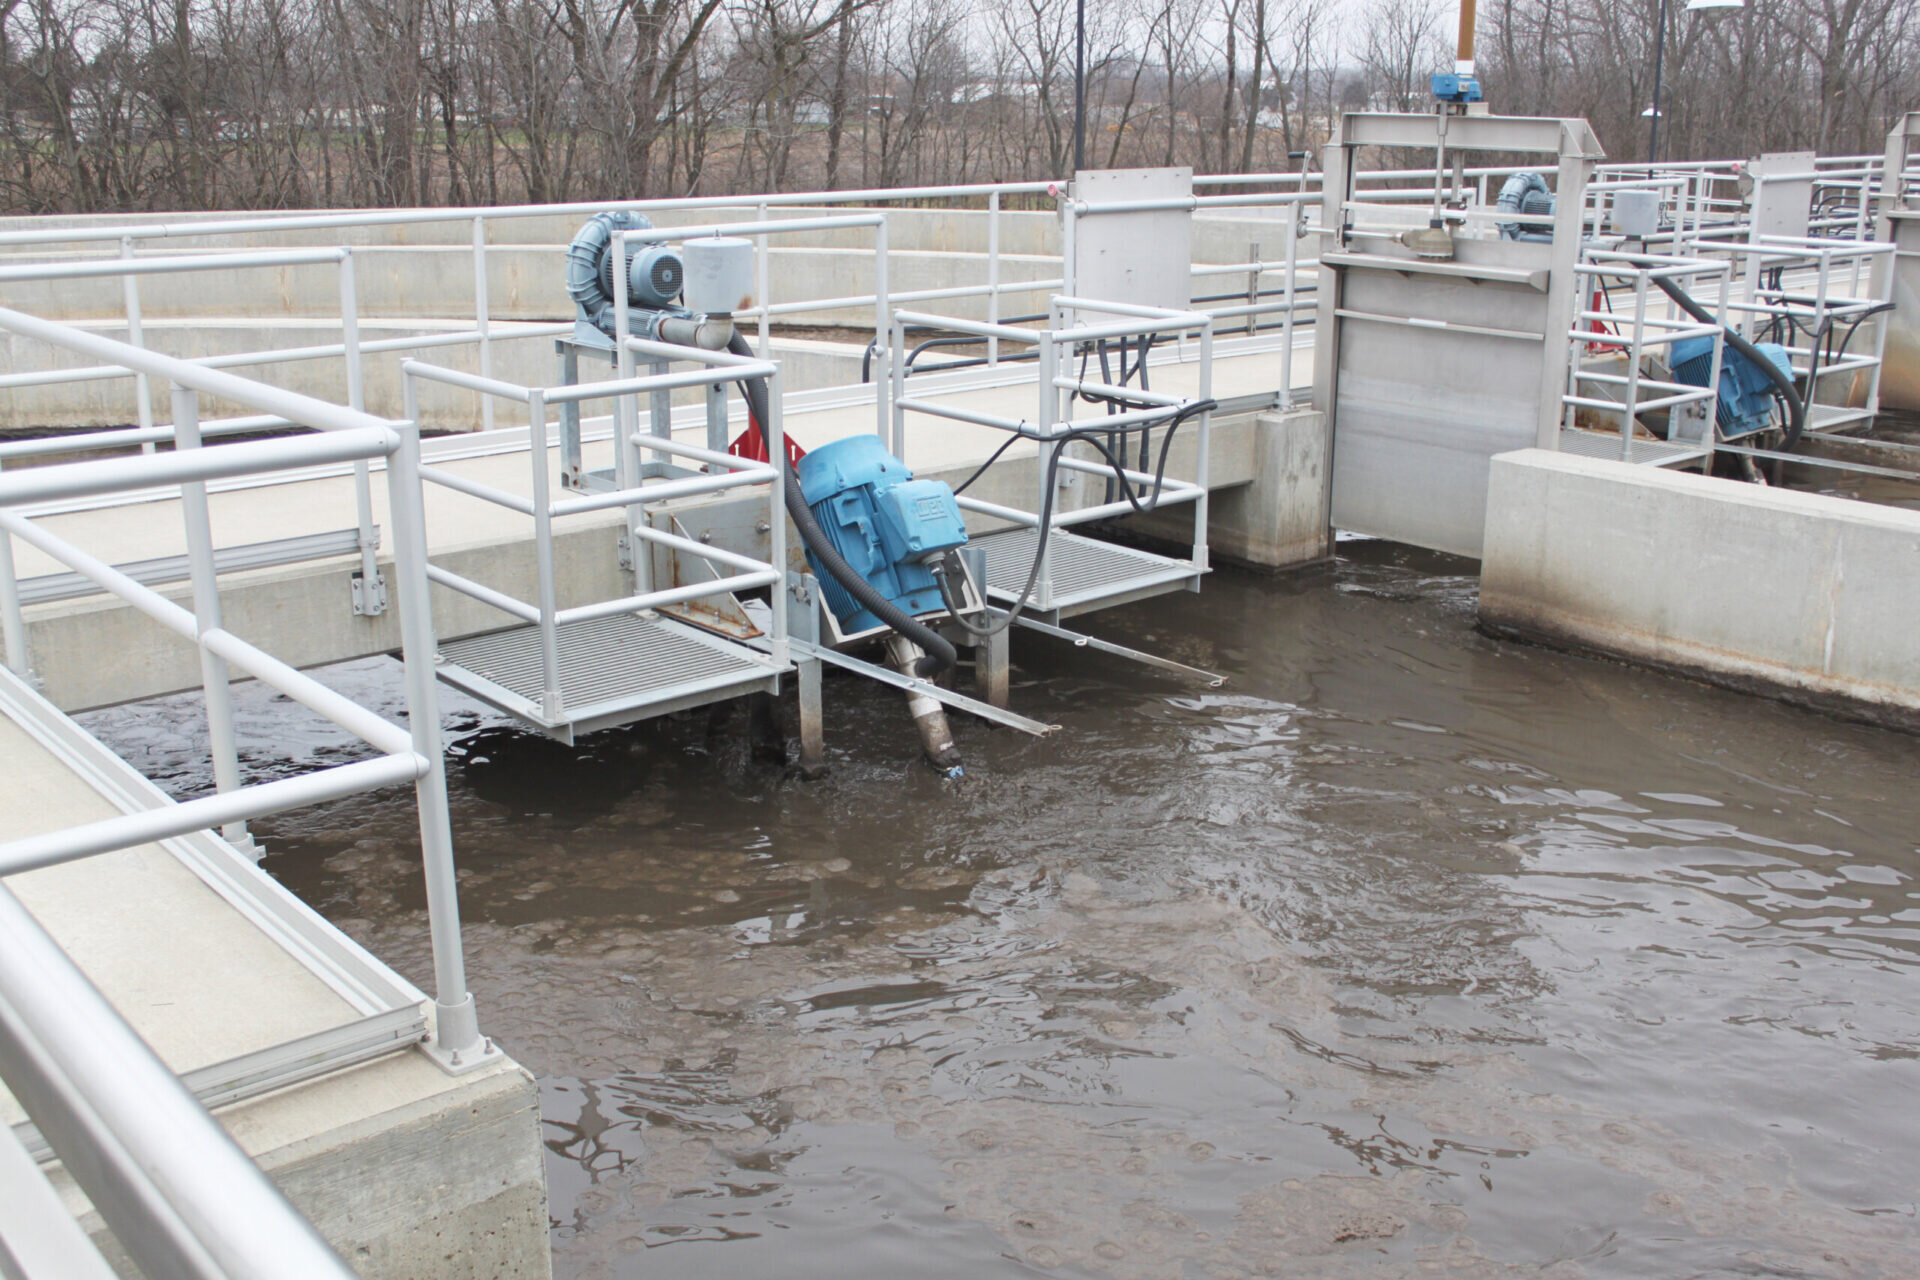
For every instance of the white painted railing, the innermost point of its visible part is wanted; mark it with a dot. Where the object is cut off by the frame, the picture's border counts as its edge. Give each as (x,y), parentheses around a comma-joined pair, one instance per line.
(1053,426)
(723,471)
(178,1194)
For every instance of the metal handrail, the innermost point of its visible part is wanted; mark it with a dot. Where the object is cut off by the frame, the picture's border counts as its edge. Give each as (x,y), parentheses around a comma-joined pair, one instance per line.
(177,1192)
(481,334)
(1053,419)
(1635,331)
(129,268)
(544,613)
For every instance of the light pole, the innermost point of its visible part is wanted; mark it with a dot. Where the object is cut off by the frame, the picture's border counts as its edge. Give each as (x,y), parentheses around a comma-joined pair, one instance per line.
(1080,85)
(1659,50)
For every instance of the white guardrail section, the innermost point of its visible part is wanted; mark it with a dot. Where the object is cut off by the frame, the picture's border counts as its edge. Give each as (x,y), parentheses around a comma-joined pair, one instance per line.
(1600,274)
(481,335)
(1803,291)
(147,434)
(733,572)
(1053,419)
(1702,204)
(178,1194)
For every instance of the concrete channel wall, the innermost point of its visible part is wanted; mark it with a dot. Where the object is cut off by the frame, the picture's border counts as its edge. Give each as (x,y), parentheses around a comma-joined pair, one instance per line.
(805,365)
(409,1174)
(419,278)
(1809,597)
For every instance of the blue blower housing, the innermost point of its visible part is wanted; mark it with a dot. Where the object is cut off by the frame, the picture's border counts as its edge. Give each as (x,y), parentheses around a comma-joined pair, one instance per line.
(884,522)
(1746,392)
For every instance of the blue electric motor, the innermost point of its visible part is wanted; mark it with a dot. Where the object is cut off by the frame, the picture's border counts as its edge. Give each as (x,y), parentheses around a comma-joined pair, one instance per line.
(1746,392)
(887,524)
(1455,88)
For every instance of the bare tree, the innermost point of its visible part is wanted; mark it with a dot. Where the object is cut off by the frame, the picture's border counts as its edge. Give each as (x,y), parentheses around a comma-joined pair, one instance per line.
(135,104)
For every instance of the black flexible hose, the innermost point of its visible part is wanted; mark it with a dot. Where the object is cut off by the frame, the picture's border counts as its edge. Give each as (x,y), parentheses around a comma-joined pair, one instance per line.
(1846,339)
(939,653)
(1796,407)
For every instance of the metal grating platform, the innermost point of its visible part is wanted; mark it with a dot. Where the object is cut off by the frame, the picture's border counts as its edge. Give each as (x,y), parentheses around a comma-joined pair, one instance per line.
(1606,444)
(1831,417)
(612,671)
(1086,574)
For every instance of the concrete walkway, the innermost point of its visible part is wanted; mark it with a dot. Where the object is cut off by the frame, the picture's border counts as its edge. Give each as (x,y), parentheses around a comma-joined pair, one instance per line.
(406,1170)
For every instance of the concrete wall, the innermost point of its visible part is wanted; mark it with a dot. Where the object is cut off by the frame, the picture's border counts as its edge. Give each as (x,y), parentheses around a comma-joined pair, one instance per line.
(409,1174)
(805,366)
(427,269)
(1809,597)
(1277,518)
(416,278)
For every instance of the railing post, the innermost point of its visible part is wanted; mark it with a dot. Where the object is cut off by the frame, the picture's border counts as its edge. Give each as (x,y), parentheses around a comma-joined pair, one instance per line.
(1879,344)
(457,1044)
(774,432)
(1819,326)
(627,464)
(897,379)
(1253,284)
(480,310)
(372,599)
(142,389)
(1042,598)
(622,354)
(882,415)
(1859,234)
(1640,280)
(993,276)
(762,286)
(206,611)
(660,424)
(1710,433)
(13,624)
(546,596)
(1068,285)
(1201,475)
(1584,284)
(1286,325)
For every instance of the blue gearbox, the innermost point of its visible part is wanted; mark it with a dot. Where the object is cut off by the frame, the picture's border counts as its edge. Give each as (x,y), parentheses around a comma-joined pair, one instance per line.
(1746,392)
(885,523)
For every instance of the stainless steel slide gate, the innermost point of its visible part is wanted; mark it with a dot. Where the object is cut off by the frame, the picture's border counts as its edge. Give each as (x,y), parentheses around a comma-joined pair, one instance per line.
(1437,353)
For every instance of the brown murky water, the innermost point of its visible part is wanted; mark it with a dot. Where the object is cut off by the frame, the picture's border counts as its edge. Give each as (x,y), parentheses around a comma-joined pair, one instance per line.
(1407,952)
(1900,429)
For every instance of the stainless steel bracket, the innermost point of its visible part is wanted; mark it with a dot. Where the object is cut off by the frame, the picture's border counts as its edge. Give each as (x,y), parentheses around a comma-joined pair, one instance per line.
(369,599)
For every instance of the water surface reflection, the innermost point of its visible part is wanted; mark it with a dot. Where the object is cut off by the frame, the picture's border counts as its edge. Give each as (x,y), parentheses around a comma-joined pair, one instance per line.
(1406,951)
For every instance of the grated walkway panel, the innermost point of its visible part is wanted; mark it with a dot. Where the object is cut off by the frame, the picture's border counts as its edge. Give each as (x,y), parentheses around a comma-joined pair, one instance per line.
(1086,573)
(1606,444)
(612,670)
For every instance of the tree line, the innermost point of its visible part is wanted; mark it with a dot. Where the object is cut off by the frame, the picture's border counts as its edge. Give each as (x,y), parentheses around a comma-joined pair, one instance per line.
(110,105)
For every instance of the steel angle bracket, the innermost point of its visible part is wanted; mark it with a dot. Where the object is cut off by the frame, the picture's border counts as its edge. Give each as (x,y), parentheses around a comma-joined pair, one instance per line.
(1212,680)
(912,684)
